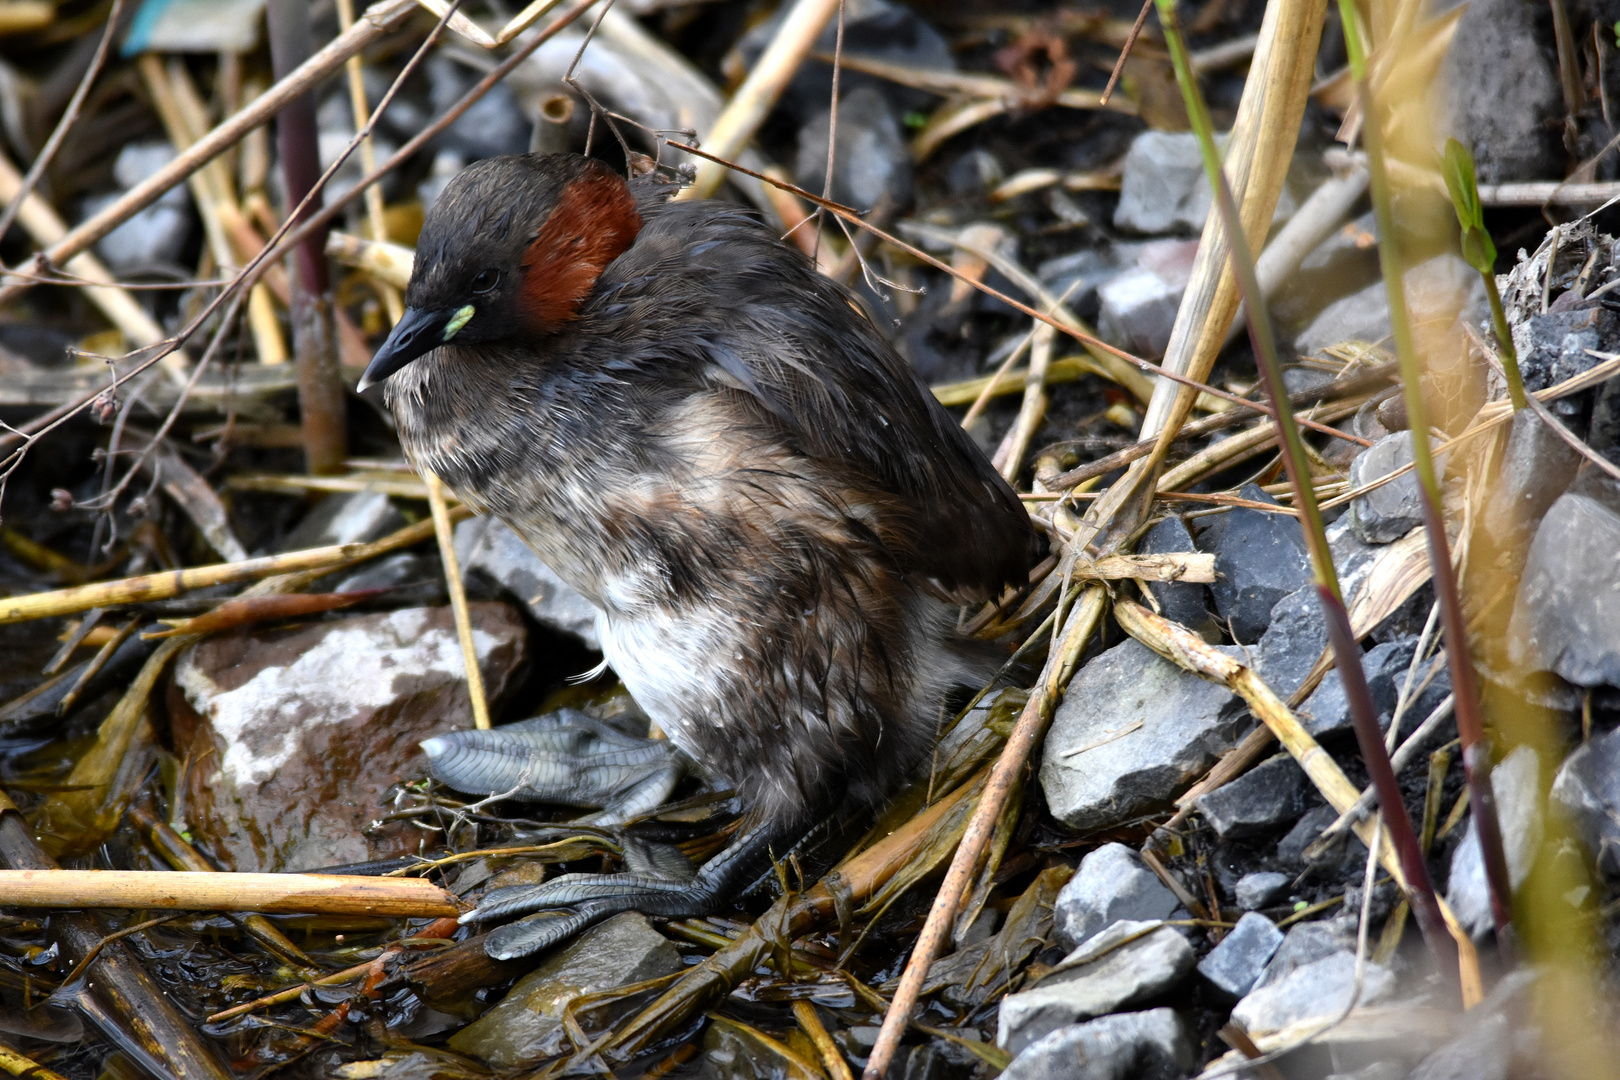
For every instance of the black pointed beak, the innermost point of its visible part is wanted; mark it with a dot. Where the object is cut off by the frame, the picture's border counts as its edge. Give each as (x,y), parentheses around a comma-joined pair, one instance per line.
(416,334)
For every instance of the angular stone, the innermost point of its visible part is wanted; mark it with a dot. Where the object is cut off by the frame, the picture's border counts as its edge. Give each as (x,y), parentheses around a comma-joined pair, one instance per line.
(1260,558)
(1327,710)
(1163,188)
(1184,602)
(1291,848)
(1289,648)
(1132,733)
(1137,309)
(1258,889)
(1317,991)
(1537,465)
(1483,1052)
(871,161)
(1112,884)
(156,234)
(1504,100)
(1440,289)
(295,735)
(489,546)
(350,517)
(1152,1045)
(1515,783)
(1234,965)
(527,1026)
(1555,347)
(1102,976)
(1394,509)
(1262,800)
(1566,618)
(1588,788)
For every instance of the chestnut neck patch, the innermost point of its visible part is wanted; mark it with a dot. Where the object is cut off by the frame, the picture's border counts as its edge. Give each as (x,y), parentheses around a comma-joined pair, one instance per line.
(594,222)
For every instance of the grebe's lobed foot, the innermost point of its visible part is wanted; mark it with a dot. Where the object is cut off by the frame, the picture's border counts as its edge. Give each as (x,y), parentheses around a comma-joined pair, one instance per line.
(564,757)
(563,907)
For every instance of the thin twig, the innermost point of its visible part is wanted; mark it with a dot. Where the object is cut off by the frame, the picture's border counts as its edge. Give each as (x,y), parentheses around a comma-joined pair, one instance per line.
(1125,51)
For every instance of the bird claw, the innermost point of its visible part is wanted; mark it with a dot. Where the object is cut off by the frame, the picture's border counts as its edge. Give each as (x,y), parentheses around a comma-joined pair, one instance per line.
(565,758)
(561,908)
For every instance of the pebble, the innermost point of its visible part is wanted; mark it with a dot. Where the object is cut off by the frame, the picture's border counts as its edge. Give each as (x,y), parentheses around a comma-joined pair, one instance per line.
(871,160)
(1184,602)
(1133,732)
(156,234)
(1261,801)
(1317,992)
(1234,965)
(1437,289)
(488,546)
(1137,309)
(1327,710)
(1566,617)
(1504,102)
(1289,648)
(1260,558)
(1258,889)
(1514,781)
(1588,788)
(296,735)
(351,517)
(526,1026)
(1113,883)
(1100,977)
(1152,1045)
(1388,512)
(1537,465)
(1163,188)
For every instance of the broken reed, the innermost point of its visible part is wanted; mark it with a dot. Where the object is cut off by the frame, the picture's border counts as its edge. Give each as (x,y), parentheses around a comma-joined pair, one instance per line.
(1470,722)
(1364,714)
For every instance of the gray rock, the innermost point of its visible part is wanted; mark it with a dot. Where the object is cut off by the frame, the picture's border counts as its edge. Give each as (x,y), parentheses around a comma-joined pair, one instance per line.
(1353,558)
(394,570)
(345,518)
(494,125)
(1235,965)
(1179,601)
(1389,512)
(1258,889)
(974,172)
(1163,188)
(1112,884)
(1504,99)
(1260,801)
(1133,732)
(1537,465)
(299,733)
(1361,316)
(489,546)
(156,234)
(527,1024)
(1101,976)
(1080,274)
(871,160)
(1259,559)
(1443,288)
(1553,347)
(1483,1052)
(1588,788)
(1515,782)
(1327,710)
(1152,1045)
(1137,309)
(1291,848)
(1317,991)
(1289,648)
(1566,618)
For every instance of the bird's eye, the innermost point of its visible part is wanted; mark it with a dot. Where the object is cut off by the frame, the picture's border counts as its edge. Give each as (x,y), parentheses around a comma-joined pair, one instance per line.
(486,280)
